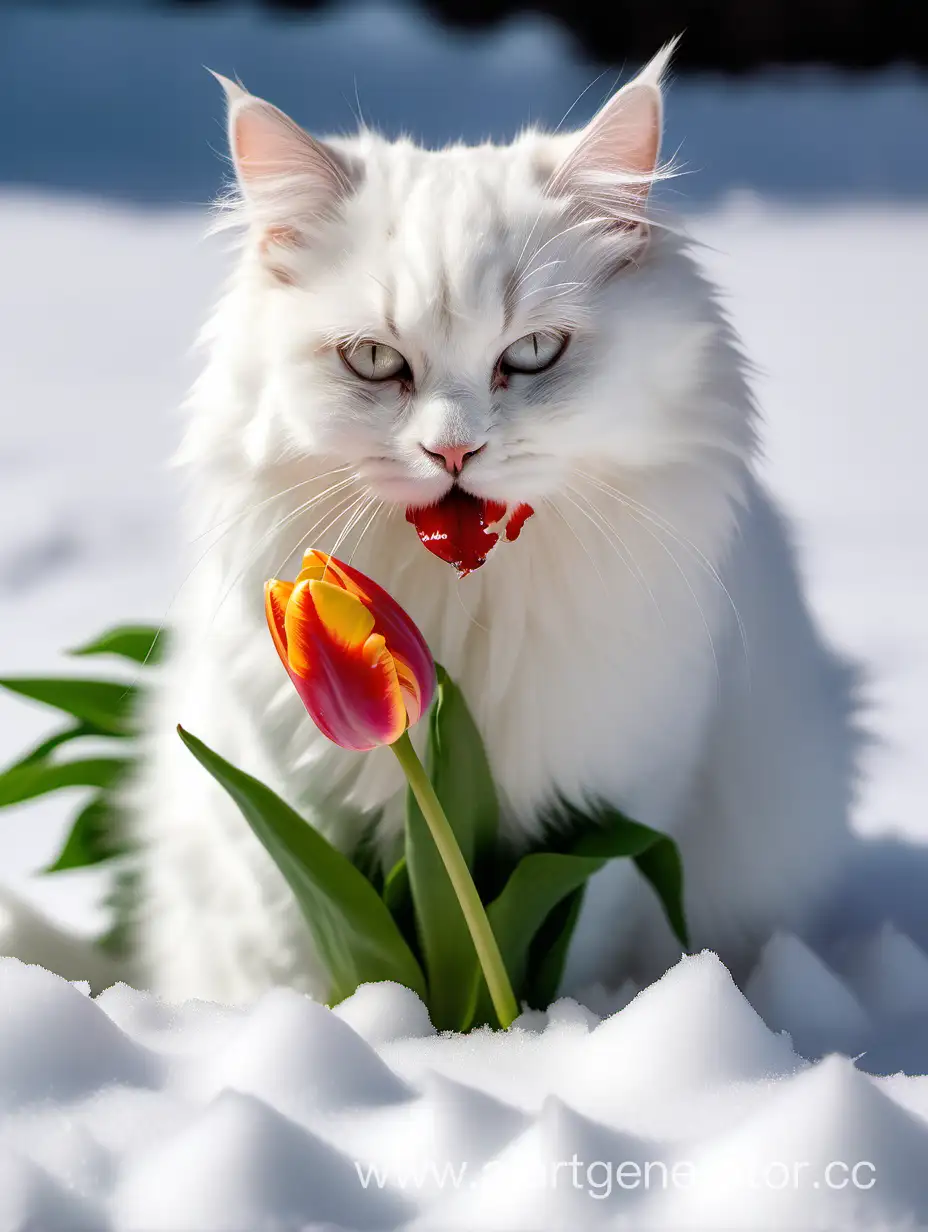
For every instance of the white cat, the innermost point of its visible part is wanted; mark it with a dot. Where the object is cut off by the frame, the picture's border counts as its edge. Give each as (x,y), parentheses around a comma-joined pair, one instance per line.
(514,319)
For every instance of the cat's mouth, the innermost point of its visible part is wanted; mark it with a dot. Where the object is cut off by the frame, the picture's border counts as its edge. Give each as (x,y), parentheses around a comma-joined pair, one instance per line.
(463,529)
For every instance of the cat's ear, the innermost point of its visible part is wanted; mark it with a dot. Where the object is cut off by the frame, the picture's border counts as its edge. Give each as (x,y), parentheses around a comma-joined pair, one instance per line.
(287,178)
(607,169)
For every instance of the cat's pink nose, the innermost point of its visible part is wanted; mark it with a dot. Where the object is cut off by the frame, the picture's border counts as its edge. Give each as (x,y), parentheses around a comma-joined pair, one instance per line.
(453,457)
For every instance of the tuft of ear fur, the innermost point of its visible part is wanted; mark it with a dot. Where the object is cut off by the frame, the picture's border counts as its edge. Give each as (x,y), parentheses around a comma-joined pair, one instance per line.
(287,179)
(608,168)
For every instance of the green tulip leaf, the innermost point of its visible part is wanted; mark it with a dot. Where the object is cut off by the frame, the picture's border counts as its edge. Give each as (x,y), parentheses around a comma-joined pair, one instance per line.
(457,766)
(25,782)
(444,939)
(47,746)
(106,704)
(92,838)
(609,833)
(396,888)
(543,880)
(398,898)
(460,773)
(143,644)
(355,934)
(548,951)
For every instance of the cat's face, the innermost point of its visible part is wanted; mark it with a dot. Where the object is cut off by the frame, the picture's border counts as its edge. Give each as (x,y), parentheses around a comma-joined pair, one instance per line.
(494,316)
(431,332)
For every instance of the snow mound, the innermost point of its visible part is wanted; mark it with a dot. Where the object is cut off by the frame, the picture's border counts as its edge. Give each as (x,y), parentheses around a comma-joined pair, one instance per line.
(683,1109)
(298,1056)
(384,1012)
(827,1150)
(56,1045)
(241,1165)
(891,973)
(796,992)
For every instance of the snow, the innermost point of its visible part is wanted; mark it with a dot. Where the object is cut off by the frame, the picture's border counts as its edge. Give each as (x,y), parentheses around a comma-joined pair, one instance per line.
(120,1112)
(681,1110)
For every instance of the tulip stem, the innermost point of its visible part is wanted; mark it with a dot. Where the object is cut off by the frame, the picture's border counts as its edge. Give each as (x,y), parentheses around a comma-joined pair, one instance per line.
(475,916)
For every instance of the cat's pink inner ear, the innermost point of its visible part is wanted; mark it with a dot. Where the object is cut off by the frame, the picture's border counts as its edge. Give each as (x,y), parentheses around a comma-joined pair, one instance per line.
(624,139)
(268,146)
(612,162)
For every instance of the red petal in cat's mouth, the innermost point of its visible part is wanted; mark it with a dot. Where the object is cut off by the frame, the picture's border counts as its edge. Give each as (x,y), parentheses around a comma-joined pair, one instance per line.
(462,529)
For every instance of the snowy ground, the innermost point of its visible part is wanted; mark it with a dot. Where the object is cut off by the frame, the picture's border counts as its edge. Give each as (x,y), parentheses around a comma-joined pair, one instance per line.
(681,1111)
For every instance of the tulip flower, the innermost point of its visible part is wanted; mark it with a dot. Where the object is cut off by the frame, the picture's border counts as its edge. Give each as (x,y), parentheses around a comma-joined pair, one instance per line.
(359,664)
(365,674)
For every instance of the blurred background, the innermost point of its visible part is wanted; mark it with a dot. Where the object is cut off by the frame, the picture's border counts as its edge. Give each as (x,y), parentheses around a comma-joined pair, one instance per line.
(801,129)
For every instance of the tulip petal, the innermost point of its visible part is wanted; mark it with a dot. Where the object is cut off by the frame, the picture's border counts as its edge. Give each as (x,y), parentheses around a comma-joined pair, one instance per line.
(313,569)
(276,597)
(409,687)
(345,617)
(342,670)
(320,608)
(357,660)
(404,640)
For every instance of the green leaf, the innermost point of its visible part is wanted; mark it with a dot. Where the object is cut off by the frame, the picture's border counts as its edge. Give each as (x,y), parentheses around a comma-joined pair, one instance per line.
(355,934)
(93,837)
(143,644)
(396,887)
(398,898)
(107,704)
(544,879)
(42,750)
(540,881)
(458,768)
(548,951)
(450,958)
(663,867)
(366,855)
(610,833)
(39,778)
(460,773)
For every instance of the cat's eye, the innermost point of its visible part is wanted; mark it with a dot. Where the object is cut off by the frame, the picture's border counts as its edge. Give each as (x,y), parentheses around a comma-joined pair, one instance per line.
(533,353)
(374,361)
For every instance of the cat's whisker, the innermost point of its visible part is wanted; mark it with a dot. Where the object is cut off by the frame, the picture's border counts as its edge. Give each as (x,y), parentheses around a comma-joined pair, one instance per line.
(586,89)
(256,550)
(243,513)
(367,527)
(562,287)
(334,516)
(367,500)
(539,270)
(584,223)
(687,544)
(235,520)
(689,586)
(471,618)
(551,504)
(614,539)
(280,524)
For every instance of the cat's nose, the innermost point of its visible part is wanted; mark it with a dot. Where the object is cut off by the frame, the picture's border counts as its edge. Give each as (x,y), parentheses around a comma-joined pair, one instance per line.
(453,457)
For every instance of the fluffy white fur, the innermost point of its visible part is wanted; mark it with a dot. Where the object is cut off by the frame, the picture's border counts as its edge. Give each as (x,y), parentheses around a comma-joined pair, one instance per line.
(644,641)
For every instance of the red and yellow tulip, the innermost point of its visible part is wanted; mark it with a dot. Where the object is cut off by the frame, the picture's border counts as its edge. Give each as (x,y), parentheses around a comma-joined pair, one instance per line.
(358,662)
(365,675)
